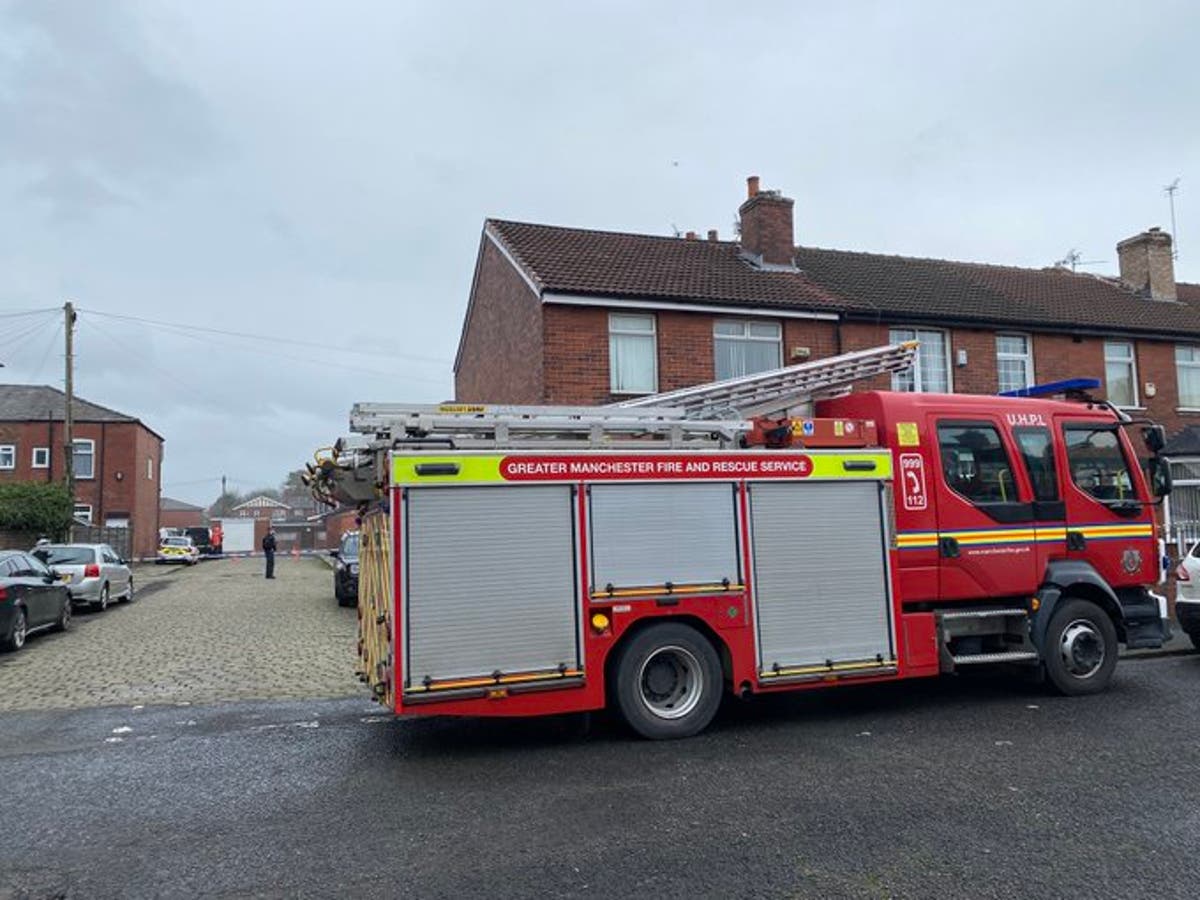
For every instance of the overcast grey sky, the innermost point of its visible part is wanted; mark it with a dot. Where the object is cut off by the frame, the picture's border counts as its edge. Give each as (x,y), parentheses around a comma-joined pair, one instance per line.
(320,172)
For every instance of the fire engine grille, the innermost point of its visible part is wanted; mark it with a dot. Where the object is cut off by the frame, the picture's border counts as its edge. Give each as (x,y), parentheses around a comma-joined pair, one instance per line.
(491,582)
(820,573)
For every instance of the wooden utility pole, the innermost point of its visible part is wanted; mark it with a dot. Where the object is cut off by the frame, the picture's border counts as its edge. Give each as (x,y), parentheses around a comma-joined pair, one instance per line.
(224,502)
(69,412)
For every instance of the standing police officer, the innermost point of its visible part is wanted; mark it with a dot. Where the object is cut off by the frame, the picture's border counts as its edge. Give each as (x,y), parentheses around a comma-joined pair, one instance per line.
(268,545)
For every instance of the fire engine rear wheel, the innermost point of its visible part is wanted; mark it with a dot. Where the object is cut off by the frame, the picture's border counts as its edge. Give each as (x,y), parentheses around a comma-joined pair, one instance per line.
(668,682)
(1080,652)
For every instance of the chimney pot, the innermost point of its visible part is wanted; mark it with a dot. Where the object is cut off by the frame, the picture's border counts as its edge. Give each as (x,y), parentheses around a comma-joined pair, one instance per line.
(691,235)
(751,185)
(712,234)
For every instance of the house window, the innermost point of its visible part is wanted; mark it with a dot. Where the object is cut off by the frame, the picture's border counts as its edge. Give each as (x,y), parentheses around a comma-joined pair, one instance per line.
(632,354)
(83,512)
(1120,373)
(1183,506)
(743,348)
(149,468)
(930,372)
(41,457)
(85,458)
(1187,370)
(1014,361)
(8,456)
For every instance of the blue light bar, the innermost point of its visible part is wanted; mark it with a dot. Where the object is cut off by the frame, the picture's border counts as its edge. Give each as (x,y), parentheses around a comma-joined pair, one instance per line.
(1054,387)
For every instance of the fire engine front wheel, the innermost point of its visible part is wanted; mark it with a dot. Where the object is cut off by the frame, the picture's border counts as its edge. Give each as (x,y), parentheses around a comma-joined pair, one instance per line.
(667,682)
(1080,652)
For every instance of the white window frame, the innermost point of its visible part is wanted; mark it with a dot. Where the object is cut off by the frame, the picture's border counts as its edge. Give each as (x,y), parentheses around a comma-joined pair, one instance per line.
(45,454)
(1026,358)
(614,334)
(747,338)
(91,453)
(85,515)
(916,333)
(10,450)
(1192,364)
(149,468)
(1131,360)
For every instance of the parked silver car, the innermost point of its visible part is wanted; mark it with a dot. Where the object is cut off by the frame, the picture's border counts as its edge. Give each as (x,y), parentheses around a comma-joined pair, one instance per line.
(93,573)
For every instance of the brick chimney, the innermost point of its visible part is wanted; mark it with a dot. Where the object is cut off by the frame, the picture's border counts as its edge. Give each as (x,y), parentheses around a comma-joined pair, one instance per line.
(766,223)
(1147,264)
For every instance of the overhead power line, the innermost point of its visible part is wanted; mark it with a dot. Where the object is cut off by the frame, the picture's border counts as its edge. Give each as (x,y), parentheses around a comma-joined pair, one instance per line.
(272,339)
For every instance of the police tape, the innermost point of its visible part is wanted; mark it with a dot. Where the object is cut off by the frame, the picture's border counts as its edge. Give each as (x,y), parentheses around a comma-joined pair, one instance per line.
(217,557)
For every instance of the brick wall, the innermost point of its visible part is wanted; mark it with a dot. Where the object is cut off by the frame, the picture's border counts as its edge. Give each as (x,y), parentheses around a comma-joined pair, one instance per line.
(501,359)
(181,518)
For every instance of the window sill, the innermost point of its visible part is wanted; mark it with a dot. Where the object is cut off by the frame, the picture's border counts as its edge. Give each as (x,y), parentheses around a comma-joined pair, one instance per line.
(1131,408)
(1188,410)
(633,393)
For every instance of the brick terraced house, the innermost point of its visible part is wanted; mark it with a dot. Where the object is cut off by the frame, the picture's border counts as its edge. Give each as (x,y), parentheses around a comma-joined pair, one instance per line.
(117,458)
(573,316)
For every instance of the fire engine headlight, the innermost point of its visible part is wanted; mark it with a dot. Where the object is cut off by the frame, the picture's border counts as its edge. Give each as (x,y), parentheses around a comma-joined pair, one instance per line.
(600,622)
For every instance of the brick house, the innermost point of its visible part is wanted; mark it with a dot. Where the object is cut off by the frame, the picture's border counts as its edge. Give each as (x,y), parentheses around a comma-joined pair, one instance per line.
(117,458)
(571,316)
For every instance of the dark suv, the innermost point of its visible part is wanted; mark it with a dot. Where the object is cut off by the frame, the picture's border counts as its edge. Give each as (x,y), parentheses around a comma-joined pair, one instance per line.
(345,570)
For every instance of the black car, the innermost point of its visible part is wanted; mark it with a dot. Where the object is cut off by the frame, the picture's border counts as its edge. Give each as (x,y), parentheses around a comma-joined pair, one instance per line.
(345,570)
(32,598)
(202,538)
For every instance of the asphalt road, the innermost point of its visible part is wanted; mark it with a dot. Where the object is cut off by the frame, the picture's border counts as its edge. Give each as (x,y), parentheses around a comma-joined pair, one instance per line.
(974,787)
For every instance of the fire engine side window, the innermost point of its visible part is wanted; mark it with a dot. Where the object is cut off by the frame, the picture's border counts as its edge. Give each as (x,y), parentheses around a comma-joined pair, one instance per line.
(1038,452)
(1097,464)
(974,463)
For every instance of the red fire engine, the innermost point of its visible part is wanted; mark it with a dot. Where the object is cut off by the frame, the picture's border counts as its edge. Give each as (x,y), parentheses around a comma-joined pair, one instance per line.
(767,533)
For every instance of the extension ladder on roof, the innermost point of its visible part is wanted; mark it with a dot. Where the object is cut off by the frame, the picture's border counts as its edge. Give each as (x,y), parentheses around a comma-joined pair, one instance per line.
(780,390)
(713,414)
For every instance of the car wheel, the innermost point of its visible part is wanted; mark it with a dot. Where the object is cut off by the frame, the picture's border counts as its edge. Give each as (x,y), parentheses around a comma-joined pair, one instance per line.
(1080,652)
(668,682)
(129,593)
(16,638)
(102,604)
(64,617)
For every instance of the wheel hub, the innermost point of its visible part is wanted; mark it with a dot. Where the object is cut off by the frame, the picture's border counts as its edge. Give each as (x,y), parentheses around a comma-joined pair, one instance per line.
(671,682)
(1082,649)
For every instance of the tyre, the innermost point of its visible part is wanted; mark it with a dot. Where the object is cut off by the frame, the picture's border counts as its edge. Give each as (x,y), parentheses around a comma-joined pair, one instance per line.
(102,604)
(1081,649)
(667,682)
(16,638)
(64,617)
(129,593)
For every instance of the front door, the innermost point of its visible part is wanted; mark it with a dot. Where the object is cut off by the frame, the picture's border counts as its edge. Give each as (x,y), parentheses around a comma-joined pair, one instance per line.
(986,537)
(1109,524)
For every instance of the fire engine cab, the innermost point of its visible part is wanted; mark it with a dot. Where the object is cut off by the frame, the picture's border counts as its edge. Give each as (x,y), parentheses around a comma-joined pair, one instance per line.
(767,533)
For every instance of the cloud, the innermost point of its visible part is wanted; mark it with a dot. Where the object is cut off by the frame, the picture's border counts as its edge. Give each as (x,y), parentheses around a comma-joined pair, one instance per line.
(100,122)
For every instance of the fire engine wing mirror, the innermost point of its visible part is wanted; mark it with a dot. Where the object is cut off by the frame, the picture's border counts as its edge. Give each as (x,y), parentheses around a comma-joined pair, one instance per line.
(1155,438)
(1161,481)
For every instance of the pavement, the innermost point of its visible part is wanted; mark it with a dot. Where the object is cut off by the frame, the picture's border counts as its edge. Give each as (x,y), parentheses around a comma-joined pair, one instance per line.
(199,634)
(974,786)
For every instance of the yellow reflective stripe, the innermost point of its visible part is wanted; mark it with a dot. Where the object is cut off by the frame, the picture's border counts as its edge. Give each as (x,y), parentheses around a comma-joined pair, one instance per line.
(836,667)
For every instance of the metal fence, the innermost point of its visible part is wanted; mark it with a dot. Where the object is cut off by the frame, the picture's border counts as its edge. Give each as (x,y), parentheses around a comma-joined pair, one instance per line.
(117,538)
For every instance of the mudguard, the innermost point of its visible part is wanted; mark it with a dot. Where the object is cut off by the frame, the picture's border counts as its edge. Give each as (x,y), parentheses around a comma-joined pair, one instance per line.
(1076,577)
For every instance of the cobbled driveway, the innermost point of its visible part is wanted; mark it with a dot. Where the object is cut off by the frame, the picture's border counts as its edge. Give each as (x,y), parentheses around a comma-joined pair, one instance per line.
(216,631)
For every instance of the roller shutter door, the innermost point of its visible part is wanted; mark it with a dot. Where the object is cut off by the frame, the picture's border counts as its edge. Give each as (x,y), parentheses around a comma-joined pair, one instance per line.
(651,534)
(491,583)
(820,575)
